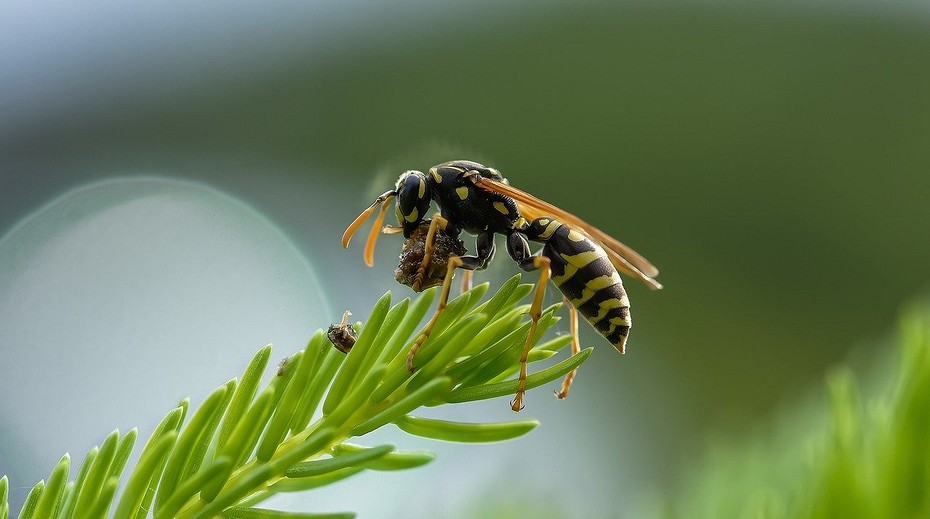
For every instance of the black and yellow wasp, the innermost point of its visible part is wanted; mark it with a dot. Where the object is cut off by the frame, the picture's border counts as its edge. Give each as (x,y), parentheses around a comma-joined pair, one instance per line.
(581,260)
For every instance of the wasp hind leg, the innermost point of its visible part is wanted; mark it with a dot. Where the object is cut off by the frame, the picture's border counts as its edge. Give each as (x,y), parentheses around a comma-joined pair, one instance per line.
(540,263)
(576,347)
(466,280)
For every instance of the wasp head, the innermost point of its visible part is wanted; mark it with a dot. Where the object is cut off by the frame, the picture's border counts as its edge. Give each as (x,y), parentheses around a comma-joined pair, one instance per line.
(413,199)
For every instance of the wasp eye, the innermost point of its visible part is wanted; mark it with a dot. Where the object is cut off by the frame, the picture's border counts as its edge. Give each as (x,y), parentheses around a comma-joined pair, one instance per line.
(407,178)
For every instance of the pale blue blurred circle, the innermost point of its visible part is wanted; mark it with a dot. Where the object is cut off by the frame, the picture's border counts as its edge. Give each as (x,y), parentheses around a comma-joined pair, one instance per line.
(120,298)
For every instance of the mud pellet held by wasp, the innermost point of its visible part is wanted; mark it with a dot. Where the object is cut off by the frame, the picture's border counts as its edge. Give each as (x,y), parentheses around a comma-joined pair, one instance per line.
(411,270)
(581,260)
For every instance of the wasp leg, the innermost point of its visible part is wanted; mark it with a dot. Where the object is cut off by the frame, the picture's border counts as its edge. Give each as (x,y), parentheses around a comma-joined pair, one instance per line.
(454,262)
(466,281)
(485,251)
(540,263)
(464,262)
(576,347)
(437,222)
(485,245)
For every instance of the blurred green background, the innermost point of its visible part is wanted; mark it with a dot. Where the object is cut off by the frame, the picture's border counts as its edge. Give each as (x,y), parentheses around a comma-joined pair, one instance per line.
(770,158)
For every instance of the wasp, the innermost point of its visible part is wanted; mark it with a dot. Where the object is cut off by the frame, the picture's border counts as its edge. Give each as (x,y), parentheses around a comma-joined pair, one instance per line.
(580,259)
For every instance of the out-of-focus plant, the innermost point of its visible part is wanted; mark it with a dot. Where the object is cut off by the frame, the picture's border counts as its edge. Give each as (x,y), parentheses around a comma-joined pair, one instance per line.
(244,445)
(869,458)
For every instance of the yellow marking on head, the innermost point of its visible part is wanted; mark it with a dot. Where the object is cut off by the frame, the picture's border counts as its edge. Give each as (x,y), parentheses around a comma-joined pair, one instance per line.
(435,174)
(422,192)
(501,208)
(462,192)
(574,235)
(412,217)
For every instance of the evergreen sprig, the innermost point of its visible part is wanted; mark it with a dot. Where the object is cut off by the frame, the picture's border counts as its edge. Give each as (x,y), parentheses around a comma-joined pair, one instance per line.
(243,445)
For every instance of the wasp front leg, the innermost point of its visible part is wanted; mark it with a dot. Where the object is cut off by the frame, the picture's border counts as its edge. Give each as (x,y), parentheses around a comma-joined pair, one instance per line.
(438,222)
(454,263)
(467,263)
(485,251)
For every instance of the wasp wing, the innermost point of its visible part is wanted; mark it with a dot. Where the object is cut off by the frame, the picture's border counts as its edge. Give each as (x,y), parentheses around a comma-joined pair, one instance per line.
(621,256)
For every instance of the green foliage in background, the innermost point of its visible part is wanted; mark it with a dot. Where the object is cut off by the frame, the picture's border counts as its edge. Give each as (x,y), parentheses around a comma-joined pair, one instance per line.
(869,458)
(749,149)
(244,445)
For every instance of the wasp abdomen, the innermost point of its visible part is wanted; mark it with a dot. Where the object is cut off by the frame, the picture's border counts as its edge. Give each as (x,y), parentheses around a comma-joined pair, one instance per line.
(584,274)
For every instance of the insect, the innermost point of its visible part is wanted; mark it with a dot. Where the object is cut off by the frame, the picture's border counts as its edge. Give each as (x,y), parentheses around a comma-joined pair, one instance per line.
(342,335)
(283,367)
(580,259)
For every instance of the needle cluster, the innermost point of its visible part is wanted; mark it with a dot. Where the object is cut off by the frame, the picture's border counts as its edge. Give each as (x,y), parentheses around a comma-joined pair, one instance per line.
(245,443)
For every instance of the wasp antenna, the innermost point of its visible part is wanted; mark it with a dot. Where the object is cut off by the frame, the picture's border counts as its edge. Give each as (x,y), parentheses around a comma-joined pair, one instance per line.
(375,229)
(360,219)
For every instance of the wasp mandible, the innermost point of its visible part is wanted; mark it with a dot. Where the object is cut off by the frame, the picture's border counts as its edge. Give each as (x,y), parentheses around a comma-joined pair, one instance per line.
(580,259)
